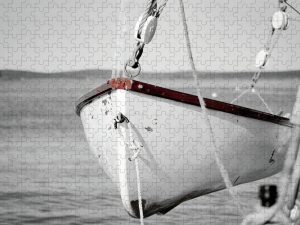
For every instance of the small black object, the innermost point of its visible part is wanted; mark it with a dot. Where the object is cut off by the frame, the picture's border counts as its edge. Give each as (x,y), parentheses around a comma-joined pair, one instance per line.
(268,195)
(120,118)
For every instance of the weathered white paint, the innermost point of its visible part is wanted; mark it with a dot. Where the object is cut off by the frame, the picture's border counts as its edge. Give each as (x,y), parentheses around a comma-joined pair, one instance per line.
(176,162)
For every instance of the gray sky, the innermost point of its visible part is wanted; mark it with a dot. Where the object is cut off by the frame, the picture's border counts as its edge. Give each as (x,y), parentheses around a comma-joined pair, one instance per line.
(67,35)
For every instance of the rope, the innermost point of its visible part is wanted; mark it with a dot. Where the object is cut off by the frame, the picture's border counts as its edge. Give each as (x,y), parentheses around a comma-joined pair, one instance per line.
(136,148)
(293,8)
(295,184)
(133,62)
(275,43)
(161,7)
(269,47)
(241,95)
(138,181)
(263,101)
(265,215)
(256,92)
(293,19)
(221,167)
(292,204)
(120,42)
(150,10)
(290,177)
(268,43)
(257,74)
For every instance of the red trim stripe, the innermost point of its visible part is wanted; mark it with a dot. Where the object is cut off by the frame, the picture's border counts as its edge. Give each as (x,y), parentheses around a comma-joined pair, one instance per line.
(148,89)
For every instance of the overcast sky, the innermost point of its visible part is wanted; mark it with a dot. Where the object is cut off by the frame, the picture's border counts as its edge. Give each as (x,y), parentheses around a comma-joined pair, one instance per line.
(67,35)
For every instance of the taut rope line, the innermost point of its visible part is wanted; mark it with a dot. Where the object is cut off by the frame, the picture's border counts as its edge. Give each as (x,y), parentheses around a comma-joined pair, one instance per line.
(145,30)
(292,7)
(120,42)
(135,146)
(263,101)
(221,166)
(268,48)
(289,172)
(150,10)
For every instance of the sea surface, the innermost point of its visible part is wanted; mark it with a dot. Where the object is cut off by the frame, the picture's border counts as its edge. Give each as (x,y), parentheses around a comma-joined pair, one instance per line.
(49,176)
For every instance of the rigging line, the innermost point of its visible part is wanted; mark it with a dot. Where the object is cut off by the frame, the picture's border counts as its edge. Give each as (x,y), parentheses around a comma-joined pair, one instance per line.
(150,9)
(270,38)
(292,7)
(269,48)
(296,20)
(289,166)
(120,42)
(135,146)
(138,181)
(161,7)
(275,43)
(223,171)
(256,76)
(263,101)
(241,95)
(258,95)
(137,171)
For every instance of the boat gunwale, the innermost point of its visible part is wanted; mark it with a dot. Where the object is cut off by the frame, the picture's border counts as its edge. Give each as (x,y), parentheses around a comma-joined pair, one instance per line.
(153,90)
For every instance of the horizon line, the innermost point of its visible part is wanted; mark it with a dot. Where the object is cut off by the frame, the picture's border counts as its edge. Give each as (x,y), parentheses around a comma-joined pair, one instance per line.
(149,72)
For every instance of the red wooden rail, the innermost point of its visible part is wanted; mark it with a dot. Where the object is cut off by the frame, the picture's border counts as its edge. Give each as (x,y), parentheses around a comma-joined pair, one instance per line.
(148,89)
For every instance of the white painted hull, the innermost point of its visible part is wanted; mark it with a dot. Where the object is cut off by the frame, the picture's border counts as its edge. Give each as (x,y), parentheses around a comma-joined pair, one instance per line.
(177,162)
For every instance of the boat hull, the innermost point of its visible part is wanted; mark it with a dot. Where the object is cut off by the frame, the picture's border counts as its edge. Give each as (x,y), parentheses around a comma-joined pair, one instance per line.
(176,162)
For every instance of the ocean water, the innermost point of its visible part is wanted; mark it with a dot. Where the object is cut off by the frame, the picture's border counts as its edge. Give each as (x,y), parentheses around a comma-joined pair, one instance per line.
(49,176)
